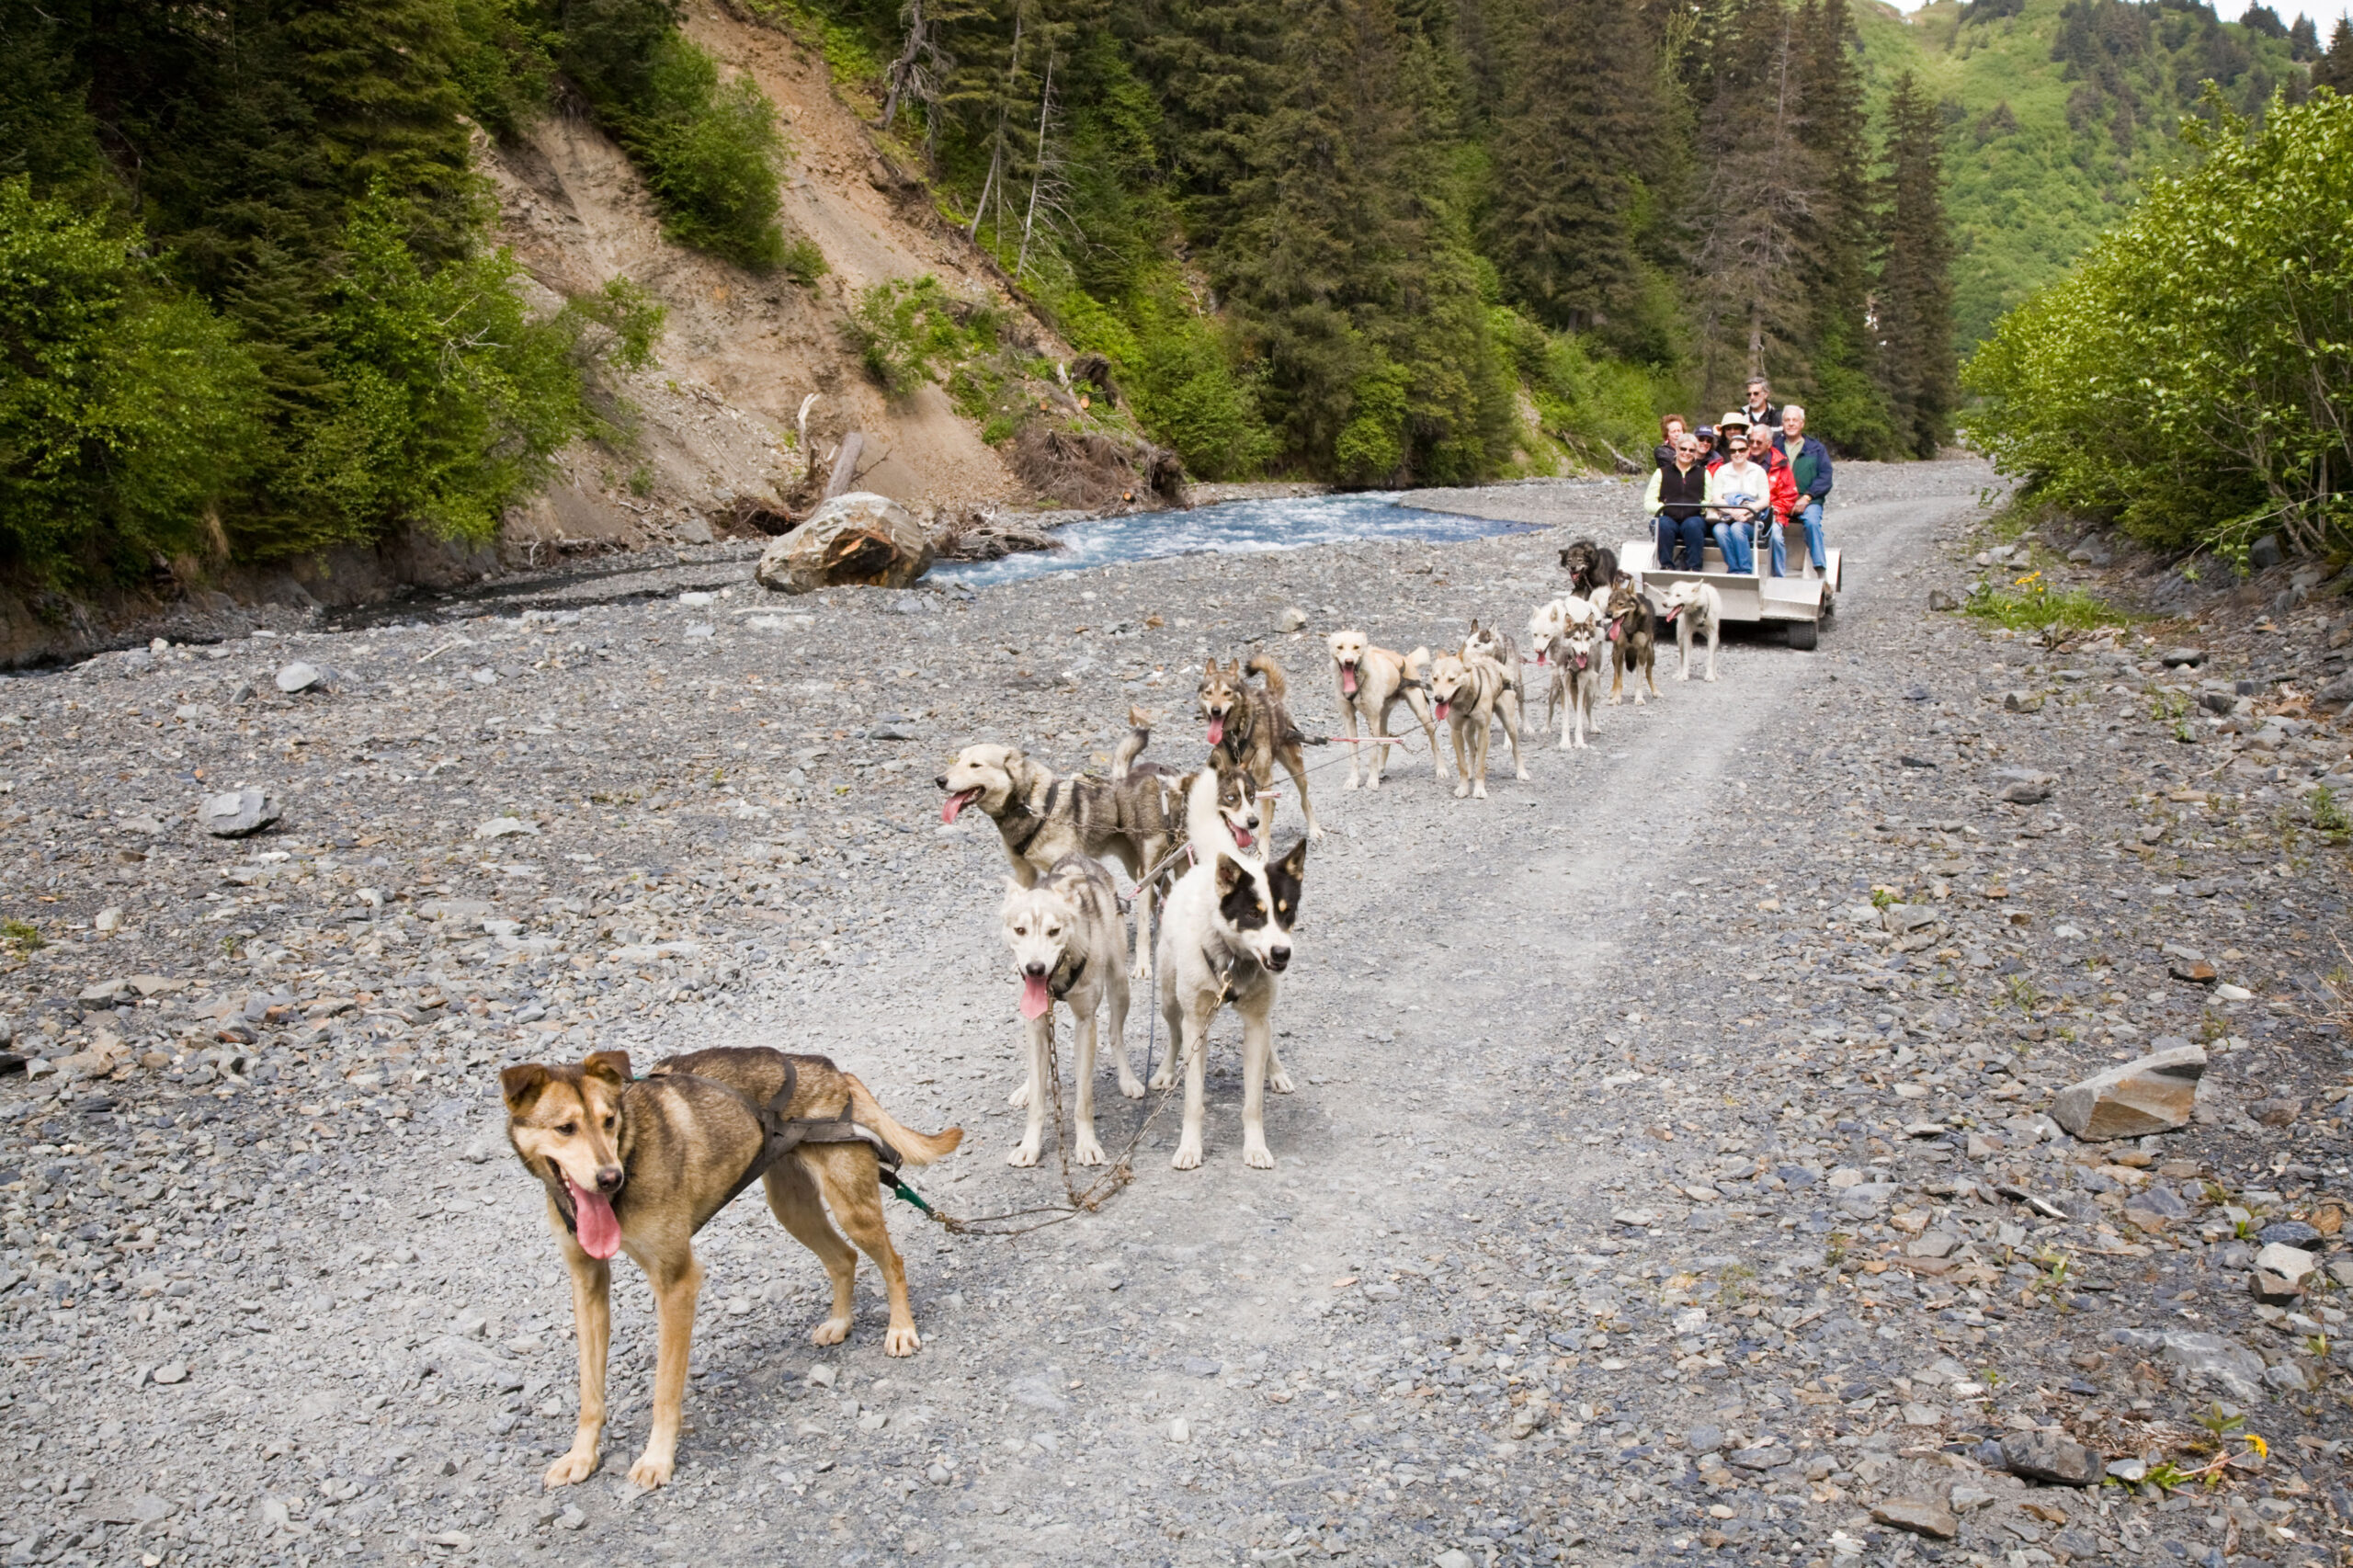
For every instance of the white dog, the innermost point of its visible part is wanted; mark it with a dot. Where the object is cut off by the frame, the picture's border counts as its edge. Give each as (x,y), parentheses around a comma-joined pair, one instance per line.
(1069,945)
(1224,936)
(1695,607)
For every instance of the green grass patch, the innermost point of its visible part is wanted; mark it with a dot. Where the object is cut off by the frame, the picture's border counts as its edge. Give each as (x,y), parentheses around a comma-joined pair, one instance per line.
(911,331)
(2029,604)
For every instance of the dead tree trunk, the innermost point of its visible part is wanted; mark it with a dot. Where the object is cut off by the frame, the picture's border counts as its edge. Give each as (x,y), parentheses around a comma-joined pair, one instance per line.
(1037,173)
(845,465)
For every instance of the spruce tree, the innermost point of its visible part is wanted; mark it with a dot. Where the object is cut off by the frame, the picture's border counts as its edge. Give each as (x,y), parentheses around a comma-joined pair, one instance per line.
(2334,69)
(1917,366)
(1844,403)
(1570,135)
(2304,39)
(1757,252)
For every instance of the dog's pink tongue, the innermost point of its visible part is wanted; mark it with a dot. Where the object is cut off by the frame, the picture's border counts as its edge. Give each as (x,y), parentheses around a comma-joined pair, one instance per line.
(1242,839)
(1348,679)
(593,1223)
(1035,998)
(1217,727)
(954,804)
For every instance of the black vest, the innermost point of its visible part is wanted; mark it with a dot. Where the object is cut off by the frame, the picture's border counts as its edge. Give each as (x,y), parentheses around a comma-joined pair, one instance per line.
(1681,494)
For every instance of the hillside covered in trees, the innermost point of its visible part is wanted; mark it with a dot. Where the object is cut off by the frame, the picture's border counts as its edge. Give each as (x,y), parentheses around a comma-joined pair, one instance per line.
(253,301)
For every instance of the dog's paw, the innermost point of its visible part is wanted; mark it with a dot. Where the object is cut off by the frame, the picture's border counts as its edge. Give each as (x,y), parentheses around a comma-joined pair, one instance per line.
(1163,1078)
(1257,1155)
(1132,1085)
(1351,784)
(1314,830)
(1524,774)
(1711,675)
(1373,782)
(1478,790)
(1019,1097)
(1187,1158)
(1279,1080)
(576,1466)
(898,1341)
(832,1331)
(652,1470)
(1683,674)
(1463,792)
(1087,1151)
(1024,1156)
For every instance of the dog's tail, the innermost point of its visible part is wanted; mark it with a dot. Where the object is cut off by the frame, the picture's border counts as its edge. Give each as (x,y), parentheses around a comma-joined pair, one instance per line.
(1139,736)
(914,1148)
(1265,669)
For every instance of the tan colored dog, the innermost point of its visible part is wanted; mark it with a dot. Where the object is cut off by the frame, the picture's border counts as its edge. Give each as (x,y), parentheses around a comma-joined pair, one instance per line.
(1494,643)
(1470,691)
(639,1166)
(1252,727)
(1373,681)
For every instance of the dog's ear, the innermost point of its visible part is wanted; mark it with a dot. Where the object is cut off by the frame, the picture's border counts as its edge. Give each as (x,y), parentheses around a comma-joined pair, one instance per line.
(1231,874)
(610,1066)
(521,1085)
(1295,863)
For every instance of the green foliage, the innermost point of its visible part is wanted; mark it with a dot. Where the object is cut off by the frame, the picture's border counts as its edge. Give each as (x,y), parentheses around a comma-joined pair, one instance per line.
(127,408)
(504,65)
(447,402)
(803,262)
(904,329)
(2189,376)
(1915,363)
(2028,605)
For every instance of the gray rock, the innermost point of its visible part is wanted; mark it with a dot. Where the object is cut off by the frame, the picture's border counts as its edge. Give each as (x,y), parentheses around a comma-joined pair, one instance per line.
(2272,1290)
(1294,618)
(860,539)
(1921,1516)
(1705,1439)
(2291,1264)
(2288,1378)
(504,827)
(2022,702)
(2046,1456)
(1938,599)
(237,814)
(2228,1365)
(1967,1499)
(2027,791)
(298,677)
(1764,1456)
(2265,553)
(170,1372)
(2175,658)
(2338,693)
(2288,1232)
(2156,1094)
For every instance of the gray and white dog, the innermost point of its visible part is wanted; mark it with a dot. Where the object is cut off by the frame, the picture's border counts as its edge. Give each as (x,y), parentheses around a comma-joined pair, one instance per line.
(1069,945)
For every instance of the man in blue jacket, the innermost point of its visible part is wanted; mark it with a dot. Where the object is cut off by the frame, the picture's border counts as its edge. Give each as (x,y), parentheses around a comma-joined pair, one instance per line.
(1810,466)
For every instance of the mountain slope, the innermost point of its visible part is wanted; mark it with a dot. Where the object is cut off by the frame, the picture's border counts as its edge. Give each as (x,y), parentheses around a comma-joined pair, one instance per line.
(2056,113)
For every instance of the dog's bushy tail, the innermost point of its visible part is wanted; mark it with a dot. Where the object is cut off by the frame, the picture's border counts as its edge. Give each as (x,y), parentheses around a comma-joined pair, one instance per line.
(914,1148)
(1138,737)
(1265,669)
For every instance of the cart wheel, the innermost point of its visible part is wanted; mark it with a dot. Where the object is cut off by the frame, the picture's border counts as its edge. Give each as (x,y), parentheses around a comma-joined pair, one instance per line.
(1802,634)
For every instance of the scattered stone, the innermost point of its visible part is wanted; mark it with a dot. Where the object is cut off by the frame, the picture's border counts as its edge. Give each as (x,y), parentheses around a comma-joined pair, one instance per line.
(170,1372)
(237,814)
(298,677)
(2022,702)
(1968,1499)
(1180,1430)
(2031,790)
(2175,658)
(2277,1112)
(2272,1290)
(860,539)
(1940,600)
(2196,970)
(2155,1094)
(2265,553)
(504,827)
(1294,619)
(2046,1456)
(1921,1516)
(2289,1233)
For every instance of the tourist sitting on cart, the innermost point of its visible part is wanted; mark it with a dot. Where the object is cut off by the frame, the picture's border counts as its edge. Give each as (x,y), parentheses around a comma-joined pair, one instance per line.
(1810,475)
(1677,495)
(1740,499)
(1669,428)
(1758,409)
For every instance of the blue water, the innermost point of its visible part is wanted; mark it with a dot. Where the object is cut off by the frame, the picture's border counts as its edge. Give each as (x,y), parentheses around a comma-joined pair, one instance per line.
(1236,526)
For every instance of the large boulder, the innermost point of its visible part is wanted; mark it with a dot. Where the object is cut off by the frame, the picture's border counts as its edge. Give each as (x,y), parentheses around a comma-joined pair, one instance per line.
(2155,1094)
(860,539)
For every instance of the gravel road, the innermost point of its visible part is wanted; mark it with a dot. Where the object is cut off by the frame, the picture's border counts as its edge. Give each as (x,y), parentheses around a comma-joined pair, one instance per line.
(1669,1178)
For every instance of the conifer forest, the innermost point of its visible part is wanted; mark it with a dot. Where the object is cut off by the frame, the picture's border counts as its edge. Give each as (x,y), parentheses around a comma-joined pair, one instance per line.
(253,303)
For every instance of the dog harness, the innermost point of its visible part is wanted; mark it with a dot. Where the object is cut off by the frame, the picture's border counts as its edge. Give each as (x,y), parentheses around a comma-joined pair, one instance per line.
(784,1134)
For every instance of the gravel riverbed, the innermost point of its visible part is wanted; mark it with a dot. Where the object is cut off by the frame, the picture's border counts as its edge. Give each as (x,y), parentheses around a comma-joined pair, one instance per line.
(1670,1174)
